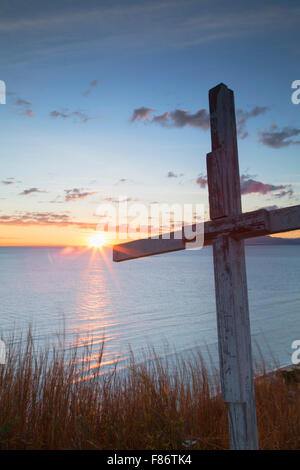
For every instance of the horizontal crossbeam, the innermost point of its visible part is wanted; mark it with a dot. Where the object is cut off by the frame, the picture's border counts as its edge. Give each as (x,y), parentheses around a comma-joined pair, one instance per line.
(246,225)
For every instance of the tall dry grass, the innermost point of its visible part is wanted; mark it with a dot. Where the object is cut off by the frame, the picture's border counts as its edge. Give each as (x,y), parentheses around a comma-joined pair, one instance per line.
(45,404)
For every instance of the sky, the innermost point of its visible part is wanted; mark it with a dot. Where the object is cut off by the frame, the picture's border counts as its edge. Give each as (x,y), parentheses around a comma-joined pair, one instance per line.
(108,99)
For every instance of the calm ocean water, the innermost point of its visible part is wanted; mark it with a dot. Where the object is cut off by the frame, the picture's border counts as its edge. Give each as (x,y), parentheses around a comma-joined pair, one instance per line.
(167,299)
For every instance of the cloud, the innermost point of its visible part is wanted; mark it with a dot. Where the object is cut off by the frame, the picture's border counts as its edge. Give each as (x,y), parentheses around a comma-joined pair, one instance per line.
(26,192)
(141,114)
(181,118)
(243,116)
(119,200)
(202,181)
(29,113)
(171,174)
(176,118)
(285,192)
(23,107)
(57,200)
(93,84)
(83,117)
(276,138)
(78,115)
(250,185)
(8,181)
(42,218)
(56,114)
(75,194)
(21,102)
(199,119)
(122,181)
(132,25)
(161,119)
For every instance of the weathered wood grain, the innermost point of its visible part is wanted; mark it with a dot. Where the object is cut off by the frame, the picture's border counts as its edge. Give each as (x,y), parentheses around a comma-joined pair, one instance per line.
(284,220)
(245,225)
(226,232)
(234,343)
(234,337)
(215,179)
(251,224)
(224,187)
(248,225)
(146,247)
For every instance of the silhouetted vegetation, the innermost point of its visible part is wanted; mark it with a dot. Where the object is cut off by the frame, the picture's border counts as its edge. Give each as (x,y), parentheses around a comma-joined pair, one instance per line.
(46,402)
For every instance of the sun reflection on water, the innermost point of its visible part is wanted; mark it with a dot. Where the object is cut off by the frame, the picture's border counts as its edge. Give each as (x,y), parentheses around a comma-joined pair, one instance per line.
(94,324)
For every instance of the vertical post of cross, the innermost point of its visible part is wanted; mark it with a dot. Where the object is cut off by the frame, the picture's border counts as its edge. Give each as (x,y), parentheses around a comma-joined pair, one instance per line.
(234,336)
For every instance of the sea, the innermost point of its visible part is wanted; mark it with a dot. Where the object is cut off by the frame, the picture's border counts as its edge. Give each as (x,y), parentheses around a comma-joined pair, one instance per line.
(163,303)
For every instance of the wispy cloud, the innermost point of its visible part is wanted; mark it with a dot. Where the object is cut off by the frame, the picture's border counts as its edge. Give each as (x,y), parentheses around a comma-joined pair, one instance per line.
(60,114)
(8,181)
(181,118)
(21,106)
(276,138)
(77,115)
(115,200)
(43,218)
(141,114)
(250,185)
(171,174)
(202,181)
(176,118)
(200,119)
(29,113)
(175,24)
(21,102)
(93,84)
(122,180)
(76,193)
(288,191)
(26,192)
(161,119)
(243,116)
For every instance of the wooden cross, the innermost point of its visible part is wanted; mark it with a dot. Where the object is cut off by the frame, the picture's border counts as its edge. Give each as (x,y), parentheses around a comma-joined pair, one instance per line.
(226,231)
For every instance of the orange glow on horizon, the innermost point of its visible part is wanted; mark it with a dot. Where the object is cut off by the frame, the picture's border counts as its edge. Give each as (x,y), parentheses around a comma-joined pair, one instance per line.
(97,240)
(67,236)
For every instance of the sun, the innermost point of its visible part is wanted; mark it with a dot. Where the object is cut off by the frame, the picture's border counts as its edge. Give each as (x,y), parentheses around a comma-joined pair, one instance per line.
(97,240)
